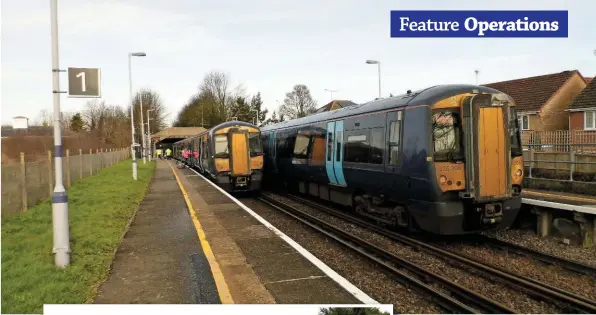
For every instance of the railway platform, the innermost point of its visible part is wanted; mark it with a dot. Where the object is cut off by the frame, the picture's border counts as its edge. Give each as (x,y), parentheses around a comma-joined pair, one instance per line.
(191,243)
(547,204)
(259,263)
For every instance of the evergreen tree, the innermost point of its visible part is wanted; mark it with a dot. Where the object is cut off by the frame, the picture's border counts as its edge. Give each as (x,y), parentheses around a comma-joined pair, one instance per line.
(76,122)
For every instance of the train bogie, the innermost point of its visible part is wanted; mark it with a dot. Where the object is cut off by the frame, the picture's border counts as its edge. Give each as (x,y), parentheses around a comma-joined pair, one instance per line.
(446,160)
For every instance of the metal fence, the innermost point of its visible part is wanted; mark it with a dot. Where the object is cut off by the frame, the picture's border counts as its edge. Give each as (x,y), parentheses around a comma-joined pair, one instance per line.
(26,184)
(561,154)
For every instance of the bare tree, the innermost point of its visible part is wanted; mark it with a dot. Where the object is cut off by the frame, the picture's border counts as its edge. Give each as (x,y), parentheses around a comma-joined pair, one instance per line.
(298,103)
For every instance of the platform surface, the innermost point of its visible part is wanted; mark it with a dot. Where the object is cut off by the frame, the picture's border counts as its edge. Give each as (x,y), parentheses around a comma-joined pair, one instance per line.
(160,259)
(560,197)
(258,266)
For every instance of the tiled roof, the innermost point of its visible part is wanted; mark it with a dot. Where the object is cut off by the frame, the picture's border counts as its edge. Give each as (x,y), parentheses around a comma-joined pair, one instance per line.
(587,97)
(588,79)
(328,106)
(530,94)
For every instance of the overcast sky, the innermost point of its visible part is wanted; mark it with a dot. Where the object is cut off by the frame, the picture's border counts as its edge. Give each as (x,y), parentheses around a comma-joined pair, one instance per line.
(268,46)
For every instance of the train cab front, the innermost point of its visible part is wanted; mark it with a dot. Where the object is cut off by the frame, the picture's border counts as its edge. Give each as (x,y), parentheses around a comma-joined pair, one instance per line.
(478,165)
(242,168)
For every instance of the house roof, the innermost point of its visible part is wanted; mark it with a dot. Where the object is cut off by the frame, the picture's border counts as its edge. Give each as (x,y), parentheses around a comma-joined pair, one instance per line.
(20,117)
(530,94)
(586,98)
(588,79)
(327,107)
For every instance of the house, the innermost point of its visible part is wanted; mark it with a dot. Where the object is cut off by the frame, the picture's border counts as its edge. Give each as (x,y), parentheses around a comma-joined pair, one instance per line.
(542,101)
(333,105)
(582,111)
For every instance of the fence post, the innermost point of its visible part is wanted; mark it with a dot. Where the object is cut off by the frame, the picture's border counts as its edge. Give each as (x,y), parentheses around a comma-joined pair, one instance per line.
(23,183)
(50,172)
(100,154)
(67,168)
(90,162)
(81,163)
(571,162)
(531,161)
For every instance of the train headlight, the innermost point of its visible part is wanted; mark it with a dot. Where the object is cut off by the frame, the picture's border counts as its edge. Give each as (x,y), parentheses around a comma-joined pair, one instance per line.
(518,173)
(442,179)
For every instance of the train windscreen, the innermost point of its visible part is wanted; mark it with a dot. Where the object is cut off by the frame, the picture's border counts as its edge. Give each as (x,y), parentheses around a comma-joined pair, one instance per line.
(446,129)
(221,146)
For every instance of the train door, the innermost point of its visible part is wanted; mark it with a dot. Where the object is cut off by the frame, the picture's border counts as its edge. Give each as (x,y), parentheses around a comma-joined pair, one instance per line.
(393,149)
(491,145)
(273,151)
(239,152)
(205,153)
(335,153)
(200,150)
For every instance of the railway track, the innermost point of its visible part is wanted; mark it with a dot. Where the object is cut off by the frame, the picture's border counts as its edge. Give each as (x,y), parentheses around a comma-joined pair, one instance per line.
(567,300)
(528,252)
(459,299)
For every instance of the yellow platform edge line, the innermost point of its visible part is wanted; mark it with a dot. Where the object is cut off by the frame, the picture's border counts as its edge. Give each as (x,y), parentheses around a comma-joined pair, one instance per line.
(540,193)
(222,287)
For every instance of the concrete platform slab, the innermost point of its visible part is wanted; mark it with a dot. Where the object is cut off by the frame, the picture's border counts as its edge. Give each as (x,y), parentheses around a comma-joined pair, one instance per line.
(258,265)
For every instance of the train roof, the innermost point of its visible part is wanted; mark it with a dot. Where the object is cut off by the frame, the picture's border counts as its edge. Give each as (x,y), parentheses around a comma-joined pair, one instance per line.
(221,126)
(426,96)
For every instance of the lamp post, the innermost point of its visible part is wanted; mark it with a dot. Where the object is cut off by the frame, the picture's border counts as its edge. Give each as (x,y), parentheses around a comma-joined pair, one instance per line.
(61,232)
(378,63)
(132,123)
(476,71)
(331,92)
(149,131)
(258,112)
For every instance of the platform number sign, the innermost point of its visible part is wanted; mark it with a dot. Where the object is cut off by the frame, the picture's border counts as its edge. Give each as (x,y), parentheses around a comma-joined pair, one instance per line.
(84,82)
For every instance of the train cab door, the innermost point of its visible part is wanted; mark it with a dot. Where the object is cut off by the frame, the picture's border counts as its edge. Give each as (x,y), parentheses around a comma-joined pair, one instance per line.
(200,158)
(273,151)
(398,182)
(335,153)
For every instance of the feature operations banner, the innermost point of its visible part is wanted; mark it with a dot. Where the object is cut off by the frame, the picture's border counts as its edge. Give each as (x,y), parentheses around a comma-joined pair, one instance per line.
(468,24)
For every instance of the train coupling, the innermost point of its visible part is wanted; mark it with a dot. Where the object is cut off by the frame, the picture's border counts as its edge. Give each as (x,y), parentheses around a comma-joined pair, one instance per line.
(491,213)
(241,181)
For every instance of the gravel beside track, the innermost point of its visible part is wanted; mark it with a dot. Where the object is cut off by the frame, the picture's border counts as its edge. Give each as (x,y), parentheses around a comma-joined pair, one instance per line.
(556,276)
(473,280)
(359,271)
(547,245)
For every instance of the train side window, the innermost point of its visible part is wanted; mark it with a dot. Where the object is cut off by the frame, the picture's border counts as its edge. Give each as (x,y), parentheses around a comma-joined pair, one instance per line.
(339,137)
(376,145)
(394,135)
(301,146)
(357,147)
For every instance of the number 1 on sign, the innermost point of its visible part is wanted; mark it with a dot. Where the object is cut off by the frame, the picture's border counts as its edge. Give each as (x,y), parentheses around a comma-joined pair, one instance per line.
(82,76)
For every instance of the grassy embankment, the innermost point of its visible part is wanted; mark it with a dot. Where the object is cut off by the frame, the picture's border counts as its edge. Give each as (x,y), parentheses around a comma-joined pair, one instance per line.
(100,207)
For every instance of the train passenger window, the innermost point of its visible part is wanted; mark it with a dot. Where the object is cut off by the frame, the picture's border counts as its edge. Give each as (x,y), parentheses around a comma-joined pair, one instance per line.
(221,146)
(357,147)
(301,146)
(376,146)
(339,138)
(446,135)
(254,143)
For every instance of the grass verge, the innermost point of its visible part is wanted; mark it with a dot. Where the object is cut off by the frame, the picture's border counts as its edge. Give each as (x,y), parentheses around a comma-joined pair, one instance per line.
(100,207)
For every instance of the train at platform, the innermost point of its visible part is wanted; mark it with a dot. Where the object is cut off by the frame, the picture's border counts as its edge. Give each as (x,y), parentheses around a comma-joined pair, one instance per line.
(230,154)
(445,160)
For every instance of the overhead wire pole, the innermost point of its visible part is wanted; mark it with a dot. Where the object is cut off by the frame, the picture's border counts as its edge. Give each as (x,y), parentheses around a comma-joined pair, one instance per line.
(132,120)
(61,247)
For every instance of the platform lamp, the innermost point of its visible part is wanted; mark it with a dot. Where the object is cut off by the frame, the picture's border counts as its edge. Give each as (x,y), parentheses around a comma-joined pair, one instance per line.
(132,123)
(378,63)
